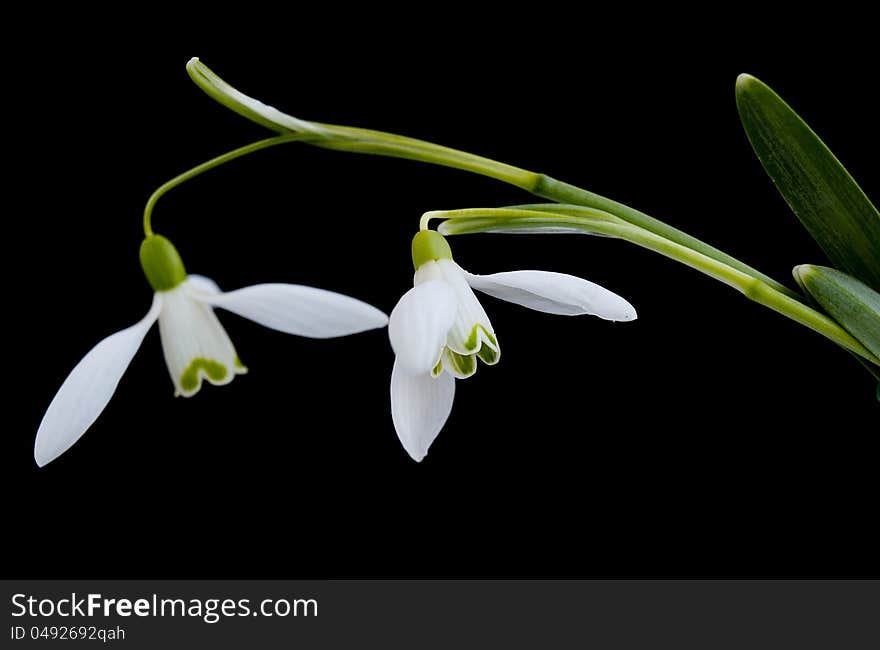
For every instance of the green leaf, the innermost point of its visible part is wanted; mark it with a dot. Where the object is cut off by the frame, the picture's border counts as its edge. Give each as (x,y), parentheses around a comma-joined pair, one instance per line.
(829,203)
(853,304)
(808,277)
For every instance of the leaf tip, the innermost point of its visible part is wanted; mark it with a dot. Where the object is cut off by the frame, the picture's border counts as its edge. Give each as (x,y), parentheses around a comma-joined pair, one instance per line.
(802,271)
(744,79)
(799,272)
(746,83)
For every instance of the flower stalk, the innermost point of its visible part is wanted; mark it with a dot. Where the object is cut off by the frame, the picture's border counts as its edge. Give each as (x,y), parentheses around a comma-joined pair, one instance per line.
(507,220)
(581,211)
(366,141)
(208,165)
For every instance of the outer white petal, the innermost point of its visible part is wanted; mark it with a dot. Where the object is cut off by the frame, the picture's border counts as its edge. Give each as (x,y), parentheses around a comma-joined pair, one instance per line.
(296,309)
(88,388)
(195,344)
(201,284)
(420,405)
(419,324)
(471,328)
(554,293)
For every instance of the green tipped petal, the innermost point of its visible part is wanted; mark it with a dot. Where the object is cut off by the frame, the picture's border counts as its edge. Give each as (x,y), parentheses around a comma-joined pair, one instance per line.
(213,370)
(435,372)
(488,355)
(820,191)
(161,263)
(489,352)
(429,246)
(853,304)
(461,366)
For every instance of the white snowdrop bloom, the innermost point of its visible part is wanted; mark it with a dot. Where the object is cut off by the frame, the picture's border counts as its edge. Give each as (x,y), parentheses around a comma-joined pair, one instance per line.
(195,345)
(438,330)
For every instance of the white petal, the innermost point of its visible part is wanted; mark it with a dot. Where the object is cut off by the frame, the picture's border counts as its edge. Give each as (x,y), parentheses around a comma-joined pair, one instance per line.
(471,328)
(195,344)
(296,309)
(201,284)
(554,293)
(420,405)
(419,324)
(88,388)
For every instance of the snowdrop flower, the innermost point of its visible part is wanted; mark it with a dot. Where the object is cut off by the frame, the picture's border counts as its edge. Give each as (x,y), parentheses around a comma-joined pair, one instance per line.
(438,330)
(195,345)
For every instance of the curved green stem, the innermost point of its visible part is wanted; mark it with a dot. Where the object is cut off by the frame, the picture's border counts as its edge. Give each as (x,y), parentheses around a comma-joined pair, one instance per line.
(591,213)
(205,166)
(517,220)
(366,141)
(346,138)
(550,188)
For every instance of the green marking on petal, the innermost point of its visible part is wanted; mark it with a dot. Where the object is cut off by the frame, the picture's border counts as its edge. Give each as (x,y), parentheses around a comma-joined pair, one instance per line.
(474,339)
(437,369)
(239,364)
(461,365)
(429,246)
(214,370)
(488,355)
(489,352)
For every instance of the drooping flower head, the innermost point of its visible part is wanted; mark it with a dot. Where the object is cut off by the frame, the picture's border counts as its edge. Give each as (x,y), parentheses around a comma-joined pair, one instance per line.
(195,345)
(439,329)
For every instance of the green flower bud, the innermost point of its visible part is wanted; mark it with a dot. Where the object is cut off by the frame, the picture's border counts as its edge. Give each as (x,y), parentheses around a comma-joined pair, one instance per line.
(429,246)
(161,263)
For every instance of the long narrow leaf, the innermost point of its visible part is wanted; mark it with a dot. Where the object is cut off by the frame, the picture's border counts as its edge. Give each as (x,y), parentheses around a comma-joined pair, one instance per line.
(829,203)
(853,304)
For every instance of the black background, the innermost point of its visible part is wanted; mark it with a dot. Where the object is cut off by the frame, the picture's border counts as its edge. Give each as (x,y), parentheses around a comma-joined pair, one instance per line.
(710,438)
